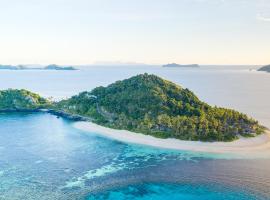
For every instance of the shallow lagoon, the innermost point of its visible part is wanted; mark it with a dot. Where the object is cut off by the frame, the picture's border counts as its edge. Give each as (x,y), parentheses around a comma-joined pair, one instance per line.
(45,157)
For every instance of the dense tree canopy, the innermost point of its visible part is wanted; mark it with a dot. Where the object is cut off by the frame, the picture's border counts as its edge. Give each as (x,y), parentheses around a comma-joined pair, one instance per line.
(151,105)
(20,99)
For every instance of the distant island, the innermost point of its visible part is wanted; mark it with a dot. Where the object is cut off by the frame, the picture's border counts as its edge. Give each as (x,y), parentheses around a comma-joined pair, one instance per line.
(178,65)
(145,104)
(265,68)
(12,67)
(56,67)
(49,67)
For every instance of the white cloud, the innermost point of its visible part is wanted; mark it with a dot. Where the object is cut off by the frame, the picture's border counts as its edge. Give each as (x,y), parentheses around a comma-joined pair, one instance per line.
(263,18)
(263,10)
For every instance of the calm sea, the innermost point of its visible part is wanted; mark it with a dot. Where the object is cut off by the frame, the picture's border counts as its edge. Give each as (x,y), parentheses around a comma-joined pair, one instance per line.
(238,87)
(45,157)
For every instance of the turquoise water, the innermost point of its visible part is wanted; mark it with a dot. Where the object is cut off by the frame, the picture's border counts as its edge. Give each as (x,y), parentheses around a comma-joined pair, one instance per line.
(172,192)
(45,157)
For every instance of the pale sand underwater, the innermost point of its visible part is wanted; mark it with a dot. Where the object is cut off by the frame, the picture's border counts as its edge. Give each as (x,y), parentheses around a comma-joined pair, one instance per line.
(255,147)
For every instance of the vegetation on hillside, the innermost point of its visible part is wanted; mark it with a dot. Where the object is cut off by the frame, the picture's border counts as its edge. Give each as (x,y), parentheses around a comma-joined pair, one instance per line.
(13,99)
(151,105)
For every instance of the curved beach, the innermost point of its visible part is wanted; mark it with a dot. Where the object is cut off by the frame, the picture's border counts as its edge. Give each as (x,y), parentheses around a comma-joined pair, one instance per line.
(249,147)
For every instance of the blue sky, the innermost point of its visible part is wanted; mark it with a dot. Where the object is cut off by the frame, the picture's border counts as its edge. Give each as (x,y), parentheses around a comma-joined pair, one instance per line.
(144,31)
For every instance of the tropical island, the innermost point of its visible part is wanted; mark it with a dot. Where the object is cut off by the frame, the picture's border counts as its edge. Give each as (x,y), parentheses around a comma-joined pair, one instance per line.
(265,68)
(57,67)
(178,65)
(48,67)
(153,106)
(144,104)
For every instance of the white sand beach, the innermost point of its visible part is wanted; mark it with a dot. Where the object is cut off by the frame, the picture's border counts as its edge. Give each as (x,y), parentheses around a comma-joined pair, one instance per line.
(257,146)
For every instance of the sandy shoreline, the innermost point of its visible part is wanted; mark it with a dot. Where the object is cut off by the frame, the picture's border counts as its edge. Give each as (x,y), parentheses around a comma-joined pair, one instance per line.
(259,145)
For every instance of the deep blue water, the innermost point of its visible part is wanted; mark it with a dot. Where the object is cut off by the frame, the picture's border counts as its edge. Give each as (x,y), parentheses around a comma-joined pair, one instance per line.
(45,157)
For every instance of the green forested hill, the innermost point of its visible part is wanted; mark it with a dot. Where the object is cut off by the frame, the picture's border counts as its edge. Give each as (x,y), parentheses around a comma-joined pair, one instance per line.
(151,105)
(20,99)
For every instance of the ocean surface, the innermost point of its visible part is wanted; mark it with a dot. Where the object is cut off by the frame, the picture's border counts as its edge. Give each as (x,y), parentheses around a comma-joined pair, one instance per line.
(45,157)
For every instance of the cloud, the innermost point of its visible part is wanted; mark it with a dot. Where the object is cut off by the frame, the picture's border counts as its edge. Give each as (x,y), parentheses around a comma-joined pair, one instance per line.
(263,10)
(260,17)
